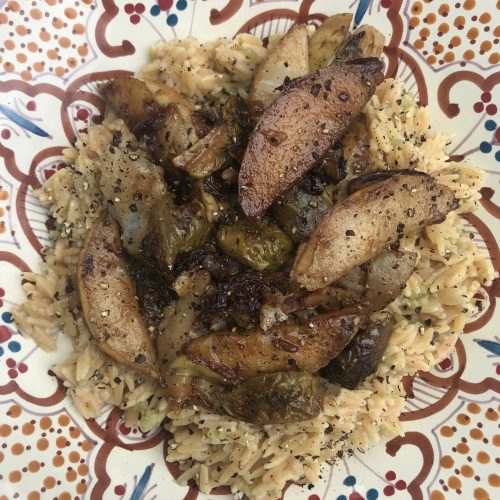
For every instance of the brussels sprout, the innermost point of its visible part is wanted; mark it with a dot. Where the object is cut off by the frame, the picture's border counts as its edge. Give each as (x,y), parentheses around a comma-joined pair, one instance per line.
(259,244)
(277,398)
(175,229)
(298,212)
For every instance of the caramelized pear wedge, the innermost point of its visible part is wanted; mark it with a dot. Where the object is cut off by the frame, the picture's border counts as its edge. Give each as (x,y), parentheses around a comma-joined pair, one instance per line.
(287,59)
(277,398)
(108,299)
(365,41)
(327,40)
(289,346)
(362,225)
(299,128)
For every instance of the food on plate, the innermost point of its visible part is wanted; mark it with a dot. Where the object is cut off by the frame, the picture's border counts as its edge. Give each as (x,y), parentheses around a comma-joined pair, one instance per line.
(252,250)
(282,149)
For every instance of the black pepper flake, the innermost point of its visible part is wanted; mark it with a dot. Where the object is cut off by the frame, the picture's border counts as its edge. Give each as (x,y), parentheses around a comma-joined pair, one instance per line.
(140,358)
(315,89)
(137,196)
(328,85)
(329,430)
(105,335)
(418,310)
(410,212)
(428,322)
(400,227)
(117,380)
(479,305)
(350,232)
(133,207)
(117,138)
(292,362)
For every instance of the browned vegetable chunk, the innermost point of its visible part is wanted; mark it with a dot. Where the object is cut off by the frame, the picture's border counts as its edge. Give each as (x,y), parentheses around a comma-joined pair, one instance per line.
(365,41)
(362,225)
(300,127)
(108,300)
(277,398)
(363,354)
(288,346)
(386,276)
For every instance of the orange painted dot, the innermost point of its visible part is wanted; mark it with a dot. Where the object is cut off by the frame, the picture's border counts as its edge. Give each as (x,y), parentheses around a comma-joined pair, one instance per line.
(1,457)
(14,6)
(17,449)
(52,54)
(42,444)
(26,75)
(83,469)
(455,41)
(33,495)
(424,32)
(49,482)
(485,46)
(463,419)
(45,423)
(15,476)
(476,434)
(64,42)
(14,411)
(449,57)
(496,31)
(416,8)
(2,212)
(467,471)
(5,430)
(21,30)
(491,414)
(494,480)
(36,14)
(64,496)
(59,71)
(61,442)
(469,4)
(82,50)
(443,28)
(9,44)
(437,495)
(32,46)
(459,21)
(444,9)
(38,66)
(74,432)
(58,461)
(473,408)
(472,34)
(494,58)
(34,466)
(447,462)
(86,445)
(468,55)
(430,18)
(72,62)
(44,36)
(79,29)
(74,457)
(3,196)
(454,483)
(485,18)
(21,58)
(446,430)
(438,48)
(462,448)
(481,494)
(414,22)
(71,476)
(483,457)
(57,23)
(51,2)
(81,488)
(3,18)
(418,44)
(70,13)
(63,420)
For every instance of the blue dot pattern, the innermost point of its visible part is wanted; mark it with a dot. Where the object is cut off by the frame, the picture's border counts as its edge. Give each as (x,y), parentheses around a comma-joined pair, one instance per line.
(485,147)
(181,5)
(7,317)
(341,497)
(490,125)
(372,494)
(1,351)
(350,481)
(172,20)
(14,346)
(497,156)
(155,10)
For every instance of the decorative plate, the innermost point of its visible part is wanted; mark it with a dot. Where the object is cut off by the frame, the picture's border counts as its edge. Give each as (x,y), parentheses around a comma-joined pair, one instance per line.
(52,53)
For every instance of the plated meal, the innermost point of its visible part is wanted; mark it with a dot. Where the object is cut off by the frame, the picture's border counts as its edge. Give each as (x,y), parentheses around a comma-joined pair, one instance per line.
(254,247)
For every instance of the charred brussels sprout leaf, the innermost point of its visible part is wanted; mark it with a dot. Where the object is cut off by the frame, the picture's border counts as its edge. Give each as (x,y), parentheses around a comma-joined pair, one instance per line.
(277,398)
(259,244)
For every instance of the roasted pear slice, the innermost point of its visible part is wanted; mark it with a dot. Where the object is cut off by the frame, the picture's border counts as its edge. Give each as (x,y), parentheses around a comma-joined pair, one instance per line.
(365,41)
(362,225)
(277,398)
(299,128)
(108,299)
(287,59)
(328,39)
(289,346)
